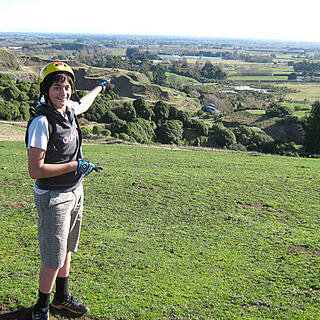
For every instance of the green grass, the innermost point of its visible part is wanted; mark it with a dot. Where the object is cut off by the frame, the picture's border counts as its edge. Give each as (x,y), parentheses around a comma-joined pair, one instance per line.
(308,92)
(257,111)
(176,234)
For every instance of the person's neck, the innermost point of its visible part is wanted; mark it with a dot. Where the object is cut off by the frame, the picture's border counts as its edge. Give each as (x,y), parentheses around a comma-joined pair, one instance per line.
(62,110)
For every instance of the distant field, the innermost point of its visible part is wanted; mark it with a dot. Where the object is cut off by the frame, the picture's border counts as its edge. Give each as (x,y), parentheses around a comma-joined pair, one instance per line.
(258,112)
(176,234)
(259,78)
(308,91)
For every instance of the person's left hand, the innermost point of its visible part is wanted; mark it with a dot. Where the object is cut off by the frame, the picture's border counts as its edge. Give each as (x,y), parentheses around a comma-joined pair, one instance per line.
(105,84)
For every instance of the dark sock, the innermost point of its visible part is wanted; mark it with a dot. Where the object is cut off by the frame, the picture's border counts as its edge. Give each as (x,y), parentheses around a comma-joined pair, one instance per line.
(62,287)
(43,300)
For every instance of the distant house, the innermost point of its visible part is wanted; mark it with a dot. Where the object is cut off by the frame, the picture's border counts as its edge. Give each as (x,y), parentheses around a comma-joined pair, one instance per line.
(210,108)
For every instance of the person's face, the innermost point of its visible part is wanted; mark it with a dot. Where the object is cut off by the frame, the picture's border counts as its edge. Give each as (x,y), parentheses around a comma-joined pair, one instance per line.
(60,93)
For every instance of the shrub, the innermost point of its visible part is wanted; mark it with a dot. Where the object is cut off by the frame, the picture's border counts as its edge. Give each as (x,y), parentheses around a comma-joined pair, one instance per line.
(124,136)
(276,110)
(184,117)
(98,110)
(86,131)
(119,126)
(170,132)
(141,130)
(200,127)
(97,130)
(24,111)
(161,112)
(220,136)
(254,139)
(106,133)
(142,110)
(126,112)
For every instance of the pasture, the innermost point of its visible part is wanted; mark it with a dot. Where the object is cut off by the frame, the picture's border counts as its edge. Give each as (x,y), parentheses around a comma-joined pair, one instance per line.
(176,234)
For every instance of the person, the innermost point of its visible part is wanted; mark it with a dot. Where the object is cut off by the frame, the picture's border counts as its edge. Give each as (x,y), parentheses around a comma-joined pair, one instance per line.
(53,139)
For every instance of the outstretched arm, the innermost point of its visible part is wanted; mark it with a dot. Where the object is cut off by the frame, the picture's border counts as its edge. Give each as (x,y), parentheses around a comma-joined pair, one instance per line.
(87,100)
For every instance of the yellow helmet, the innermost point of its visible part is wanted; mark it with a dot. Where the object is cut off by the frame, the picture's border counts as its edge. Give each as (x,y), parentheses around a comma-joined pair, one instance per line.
(55,67)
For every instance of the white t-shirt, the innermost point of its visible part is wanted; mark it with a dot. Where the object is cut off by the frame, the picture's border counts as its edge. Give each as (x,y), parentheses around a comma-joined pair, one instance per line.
(38,136)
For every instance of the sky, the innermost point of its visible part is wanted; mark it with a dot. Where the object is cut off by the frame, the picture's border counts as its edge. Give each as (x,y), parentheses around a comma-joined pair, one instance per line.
(248,19)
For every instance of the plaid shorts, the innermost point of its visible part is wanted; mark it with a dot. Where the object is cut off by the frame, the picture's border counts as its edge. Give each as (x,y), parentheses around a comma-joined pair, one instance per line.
(59,223)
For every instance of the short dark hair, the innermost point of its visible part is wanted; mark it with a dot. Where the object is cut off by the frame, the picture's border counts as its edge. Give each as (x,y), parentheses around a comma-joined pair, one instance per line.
(58,77)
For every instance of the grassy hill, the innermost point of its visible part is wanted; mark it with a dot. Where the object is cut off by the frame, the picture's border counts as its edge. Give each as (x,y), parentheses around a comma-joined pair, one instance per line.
(176,234)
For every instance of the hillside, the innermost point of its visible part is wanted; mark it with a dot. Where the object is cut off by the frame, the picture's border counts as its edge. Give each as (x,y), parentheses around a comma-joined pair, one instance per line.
(175,234)
(8,60)
(128,84)
(132,85)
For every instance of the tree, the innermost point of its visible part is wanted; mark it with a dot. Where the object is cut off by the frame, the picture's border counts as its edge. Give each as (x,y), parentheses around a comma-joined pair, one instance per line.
(34,92)
(170,132)
(254,139)
(119,126)
(220,136)
(173,113)
(9,111)
(127,112)
(24,111)
(97,130)
(142,109)
(11,92)
(131,53)
(98,110)
(277,110)
(184,117)
(312,130)
(211,71)
(200,127)
(159,75)
(292,76)
(161,112)
(141,130)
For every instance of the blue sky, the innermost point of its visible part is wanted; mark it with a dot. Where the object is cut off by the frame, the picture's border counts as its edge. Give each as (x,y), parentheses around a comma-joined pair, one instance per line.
(272,19)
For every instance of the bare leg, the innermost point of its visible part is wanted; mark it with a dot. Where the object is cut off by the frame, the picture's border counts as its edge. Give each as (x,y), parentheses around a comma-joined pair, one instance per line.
(48,275)
(64,271)
(47,279)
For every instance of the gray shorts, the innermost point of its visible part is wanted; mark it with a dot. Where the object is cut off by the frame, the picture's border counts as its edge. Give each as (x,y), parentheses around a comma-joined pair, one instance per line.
(59,223)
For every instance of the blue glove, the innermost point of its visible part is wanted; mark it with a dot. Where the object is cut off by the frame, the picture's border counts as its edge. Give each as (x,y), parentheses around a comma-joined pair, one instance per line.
(85,167)
(105,84)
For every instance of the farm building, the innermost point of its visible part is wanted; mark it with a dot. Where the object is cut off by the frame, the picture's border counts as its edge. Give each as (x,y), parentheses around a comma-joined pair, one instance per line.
(210,108)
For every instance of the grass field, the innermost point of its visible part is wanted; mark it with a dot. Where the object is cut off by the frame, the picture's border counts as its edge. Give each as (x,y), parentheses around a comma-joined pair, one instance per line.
(304,91)
(176,234)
